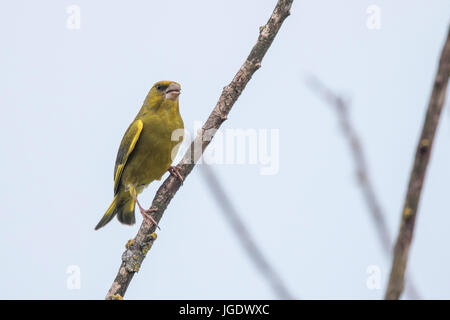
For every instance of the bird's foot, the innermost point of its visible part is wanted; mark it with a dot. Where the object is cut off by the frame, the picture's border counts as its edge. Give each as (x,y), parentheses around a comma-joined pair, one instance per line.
(146,213)
(175,171)
(148,217)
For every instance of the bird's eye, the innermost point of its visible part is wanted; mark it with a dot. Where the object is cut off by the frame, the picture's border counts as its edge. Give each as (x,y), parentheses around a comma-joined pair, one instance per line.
(158,87)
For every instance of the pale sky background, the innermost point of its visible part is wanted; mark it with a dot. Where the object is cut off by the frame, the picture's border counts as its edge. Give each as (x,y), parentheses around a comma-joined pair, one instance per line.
(67,96)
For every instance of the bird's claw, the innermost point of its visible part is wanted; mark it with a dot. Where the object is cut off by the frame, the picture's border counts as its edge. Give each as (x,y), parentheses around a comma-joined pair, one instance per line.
(175,171)
(148,218)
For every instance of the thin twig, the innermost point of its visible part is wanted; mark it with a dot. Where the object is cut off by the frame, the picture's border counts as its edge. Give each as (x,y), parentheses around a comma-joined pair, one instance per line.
(362,170)
(416,179)
(137,248)
(241,231)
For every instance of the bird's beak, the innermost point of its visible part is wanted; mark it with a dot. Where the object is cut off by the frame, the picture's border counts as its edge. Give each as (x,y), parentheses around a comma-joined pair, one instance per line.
(173,91)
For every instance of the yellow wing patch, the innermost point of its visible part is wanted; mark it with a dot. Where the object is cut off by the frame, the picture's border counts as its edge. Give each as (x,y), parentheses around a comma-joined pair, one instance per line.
(127,145)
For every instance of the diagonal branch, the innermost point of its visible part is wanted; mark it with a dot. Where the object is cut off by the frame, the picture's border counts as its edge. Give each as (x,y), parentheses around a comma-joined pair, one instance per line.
(359,158)
(422,157)
(362,170)
(137,248)
(246,240)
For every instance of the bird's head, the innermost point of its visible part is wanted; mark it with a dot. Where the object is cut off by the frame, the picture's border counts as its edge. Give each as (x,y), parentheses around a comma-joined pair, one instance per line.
(163,93)
(164,90)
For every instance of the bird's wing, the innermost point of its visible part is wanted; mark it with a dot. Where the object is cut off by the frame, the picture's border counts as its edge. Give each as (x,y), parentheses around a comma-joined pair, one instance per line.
(127,145)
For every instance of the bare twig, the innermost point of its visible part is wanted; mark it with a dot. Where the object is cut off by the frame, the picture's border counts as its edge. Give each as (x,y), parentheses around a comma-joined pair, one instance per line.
(422,157)
(362,170)
(241,231)
(138,247)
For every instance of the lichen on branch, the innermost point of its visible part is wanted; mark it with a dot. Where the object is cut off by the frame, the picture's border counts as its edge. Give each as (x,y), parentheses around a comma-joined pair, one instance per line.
(135,253)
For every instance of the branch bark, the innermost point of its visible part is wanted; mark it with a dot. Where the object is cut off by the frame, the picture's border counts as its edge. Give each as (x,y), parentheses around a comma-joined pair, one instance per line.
(362,170)
(137,248)
(244,236)
(422,157)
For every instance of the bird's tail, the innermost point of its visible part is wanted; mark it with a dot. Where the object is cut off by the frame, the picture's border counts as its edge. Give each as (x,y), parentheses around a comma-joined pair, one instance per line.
(122,206)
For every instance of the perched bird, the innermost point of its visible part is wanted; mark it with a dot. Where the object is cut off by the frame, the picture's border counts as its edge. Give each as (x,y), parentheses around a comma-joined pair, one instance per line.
(146,152)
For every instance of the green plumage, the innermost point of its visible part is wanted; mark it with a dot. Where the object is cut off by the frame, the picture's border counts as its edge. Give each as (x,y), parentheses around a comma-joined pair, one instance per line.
(146,151)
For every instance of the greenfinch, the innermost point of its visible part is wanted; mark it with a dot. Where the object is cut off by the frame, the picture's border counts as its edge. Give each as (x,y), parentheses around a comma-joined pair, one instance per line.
(146,152)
